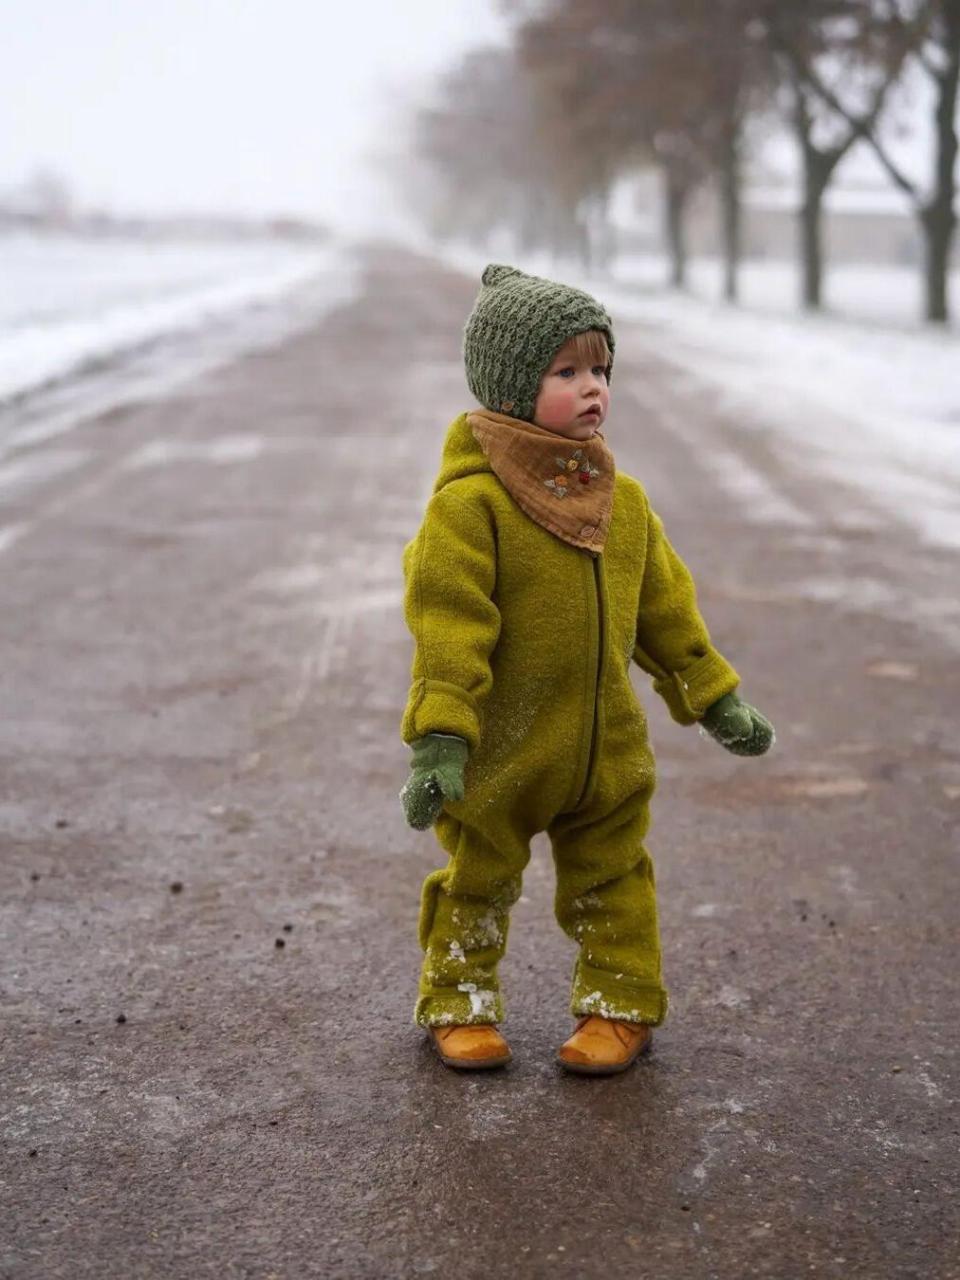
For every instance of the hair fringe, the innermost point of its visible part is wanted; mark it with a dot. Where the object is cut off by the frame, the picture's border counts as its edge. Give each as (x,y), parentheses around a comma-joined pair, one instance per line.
(590,347)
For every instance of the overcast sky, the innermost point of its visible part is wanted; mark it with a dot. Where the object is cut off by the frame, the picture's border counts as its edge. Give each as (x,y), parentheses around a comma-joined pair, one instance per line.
(224,105)
(246,106)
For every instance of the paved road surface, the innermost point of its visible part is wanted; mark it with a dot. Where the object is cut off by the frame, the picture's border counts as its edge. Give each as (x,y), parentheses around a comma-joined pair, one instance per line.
(203,664)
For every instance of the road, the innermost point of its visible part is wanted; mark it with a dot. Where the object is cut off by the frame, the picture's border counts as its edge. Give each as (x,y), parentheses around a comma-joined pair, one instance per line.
(209,900)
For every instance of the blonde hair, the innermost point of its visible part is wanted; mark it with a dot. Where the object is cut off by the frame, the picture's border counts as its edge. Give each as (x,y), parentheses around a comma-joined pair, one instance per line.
(589,347)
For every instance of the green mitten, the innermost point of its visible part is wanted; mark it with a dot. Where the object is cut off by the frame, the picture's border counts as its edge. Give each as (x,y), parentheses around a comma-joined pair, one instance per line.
(738,726)
(436,775)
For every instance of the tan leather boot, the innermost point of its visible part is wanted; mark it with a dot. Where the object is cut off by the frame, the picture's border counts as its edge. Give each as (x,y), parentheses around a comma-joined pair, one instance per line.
(603,1046)
(471,1047)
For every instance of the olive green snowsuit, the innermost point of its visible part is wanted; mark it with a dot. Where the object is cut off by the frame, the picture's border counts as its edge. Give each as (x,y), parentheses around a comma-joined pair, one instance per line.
(523,644)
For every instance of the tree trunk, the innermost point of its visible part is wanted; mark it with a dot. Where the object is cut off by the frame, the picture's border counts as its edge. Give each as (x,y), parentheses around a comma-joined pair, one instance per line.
(817,168)
(603,230)
(731,212)
(677,192)
(530,230)
(938,223)
(584,241)
(811,251)
(938,218)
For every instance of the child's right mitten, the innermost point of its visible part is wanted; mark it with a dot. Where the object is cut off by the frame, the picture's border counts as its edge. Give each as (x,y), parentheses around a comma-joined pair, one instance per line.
(738,726)
(436,774)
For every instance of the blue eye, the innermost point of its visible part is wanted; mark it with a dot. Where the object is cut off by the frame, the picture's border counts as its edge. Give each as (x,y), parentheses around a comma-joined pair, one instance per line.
(597,368)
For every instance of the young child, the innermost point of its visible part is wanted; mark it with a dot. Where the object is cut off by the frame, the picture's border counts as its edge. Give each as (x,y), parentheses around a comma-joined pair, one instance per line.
(538,573)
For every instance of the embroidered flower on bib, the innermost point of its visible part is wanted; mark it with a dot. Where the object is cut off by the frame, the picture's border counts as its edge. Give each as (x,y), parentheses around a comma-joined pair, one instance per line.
(576,463)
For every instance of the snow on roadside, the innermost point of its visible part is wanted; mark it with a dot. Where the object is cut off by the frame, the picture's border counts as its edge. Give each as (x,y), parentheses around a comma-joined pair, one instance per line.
(70,302)
(872,407)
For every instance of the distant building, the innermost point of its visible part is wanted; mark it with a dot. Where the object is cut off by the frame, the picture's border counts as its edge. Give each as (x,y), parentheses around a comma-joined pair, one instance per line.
(865,218)
(43,200)
(860,224)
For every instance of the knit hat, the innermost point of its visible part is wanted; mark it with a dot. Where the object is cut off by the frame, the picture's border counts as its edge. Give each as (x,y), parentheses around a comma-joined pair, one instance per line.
(517,325)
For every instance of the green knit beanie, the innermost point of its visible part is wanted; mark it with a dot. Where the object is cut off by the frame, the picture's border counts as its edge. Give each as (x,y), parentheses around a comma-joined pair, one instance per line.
(517,325)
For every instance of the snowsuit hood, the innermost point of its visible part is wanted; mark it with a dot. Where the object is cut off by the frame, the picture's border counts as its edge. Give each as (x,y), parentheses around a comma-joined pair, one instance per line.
(461,456)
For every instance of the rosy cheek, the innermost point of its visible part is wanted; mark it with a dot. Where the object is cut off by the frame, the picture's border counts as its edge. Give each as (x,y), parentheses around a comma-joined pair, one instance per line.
(558,403)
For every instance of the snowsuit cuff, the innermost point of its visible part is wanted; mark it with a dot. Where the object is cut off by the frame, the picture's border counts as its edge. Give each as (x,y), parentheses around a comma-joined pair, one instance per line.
(435,706)
(617,996)
(688,693)
(458,1006)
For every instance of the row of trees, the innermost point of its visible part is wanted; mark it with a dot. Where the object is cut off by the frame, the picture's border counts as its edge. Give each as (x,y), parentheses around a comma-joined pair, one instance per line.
(534,136)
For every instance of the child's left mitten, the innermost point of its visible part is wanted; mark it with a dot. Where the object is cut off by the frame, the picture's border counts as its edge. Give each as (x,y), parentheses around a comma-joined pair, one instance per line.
(436,774)
(738,726)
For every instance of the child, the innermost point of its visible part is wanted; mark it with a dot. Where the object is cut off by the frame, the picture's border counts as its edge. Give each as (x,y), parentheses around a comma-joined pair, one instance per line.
(538,573)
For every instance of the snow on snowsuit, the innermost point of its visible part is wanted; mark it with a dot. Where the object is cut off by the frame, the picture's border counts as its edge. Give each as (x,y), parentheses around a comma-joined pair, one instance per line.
(523,645)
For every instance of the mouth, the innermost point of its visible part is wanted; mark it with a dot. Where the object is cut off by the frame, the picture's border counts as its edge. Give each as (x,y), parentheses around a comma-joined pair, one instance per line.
(590,413)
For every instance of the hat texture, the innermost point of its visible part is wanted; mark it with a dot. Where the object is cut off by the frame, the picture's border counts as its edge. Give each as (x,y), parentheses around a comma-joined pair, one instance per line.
(517,325)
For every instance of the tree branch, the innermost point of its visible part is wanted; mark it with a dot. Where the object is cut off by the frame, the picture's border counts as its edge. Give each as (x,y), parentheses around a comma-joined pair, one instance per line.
(863,127)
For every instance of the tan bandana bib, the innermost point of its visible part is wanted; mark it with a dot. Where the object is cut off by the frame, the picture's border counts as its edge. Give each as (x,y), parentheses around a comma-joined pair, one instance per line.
(564,485)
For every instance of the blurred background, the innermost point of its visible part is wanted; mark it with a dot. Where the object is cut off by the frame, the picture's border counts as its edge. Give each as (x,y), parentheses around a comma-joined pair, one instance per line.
(768,186)
(163,167)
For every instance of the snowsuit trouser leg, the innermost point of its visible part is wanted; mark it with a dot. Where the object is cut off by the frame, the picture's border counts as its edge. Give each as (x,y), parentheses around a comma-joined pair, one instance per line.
(464,920)
(606,901)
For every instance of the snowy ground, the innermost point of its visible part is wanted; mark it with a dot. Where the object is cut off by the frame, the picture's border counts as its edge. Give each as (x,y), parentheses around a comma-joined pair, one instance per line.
(68,301)
(863,394)
(87,324)
(870,293)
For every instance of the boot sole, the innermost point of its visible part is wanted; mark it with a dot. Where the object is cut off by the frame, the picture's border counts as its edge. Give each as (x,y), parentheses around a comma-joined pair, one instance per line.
(474,1064)
(470,1064)
(605,1069)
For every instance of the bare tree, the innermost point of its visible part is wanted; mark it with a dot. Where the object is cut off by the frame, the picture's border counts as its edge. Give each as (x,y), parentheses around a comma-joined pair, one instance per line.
(641,82)
(476,164)
(840,60)
(734,80)
(491,155)
(934,43)
(580,122)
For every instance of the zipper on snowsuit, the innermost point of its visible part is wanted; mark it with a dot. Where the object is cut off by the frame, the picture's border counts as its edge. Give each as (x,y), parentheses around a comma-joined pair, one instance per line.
(597,572)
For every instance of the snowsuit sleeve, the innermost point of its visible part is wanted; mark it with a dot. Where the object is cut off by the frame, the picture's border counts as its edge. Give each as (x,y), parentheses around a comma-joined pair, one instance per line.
(450,571)
(672,641)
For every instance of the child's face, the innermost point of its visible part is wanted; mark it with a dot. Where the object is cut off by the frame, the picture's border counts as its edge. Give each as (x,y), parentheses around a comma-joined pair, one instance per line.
(567,389)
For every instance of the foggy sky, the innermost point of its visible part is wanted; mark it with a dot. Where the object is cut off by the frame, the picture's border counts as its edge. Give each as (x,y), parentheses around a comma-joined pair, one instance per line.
(246,106)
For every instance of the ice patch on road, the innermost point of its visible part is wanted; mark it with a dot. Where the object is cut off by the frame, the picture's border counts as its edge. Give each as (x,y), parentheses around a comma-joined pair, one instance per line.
(933,1090)
(33,469)
(12,533)
(893,670)
(756,497)
(826,788)
(221,449)
(731,998)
